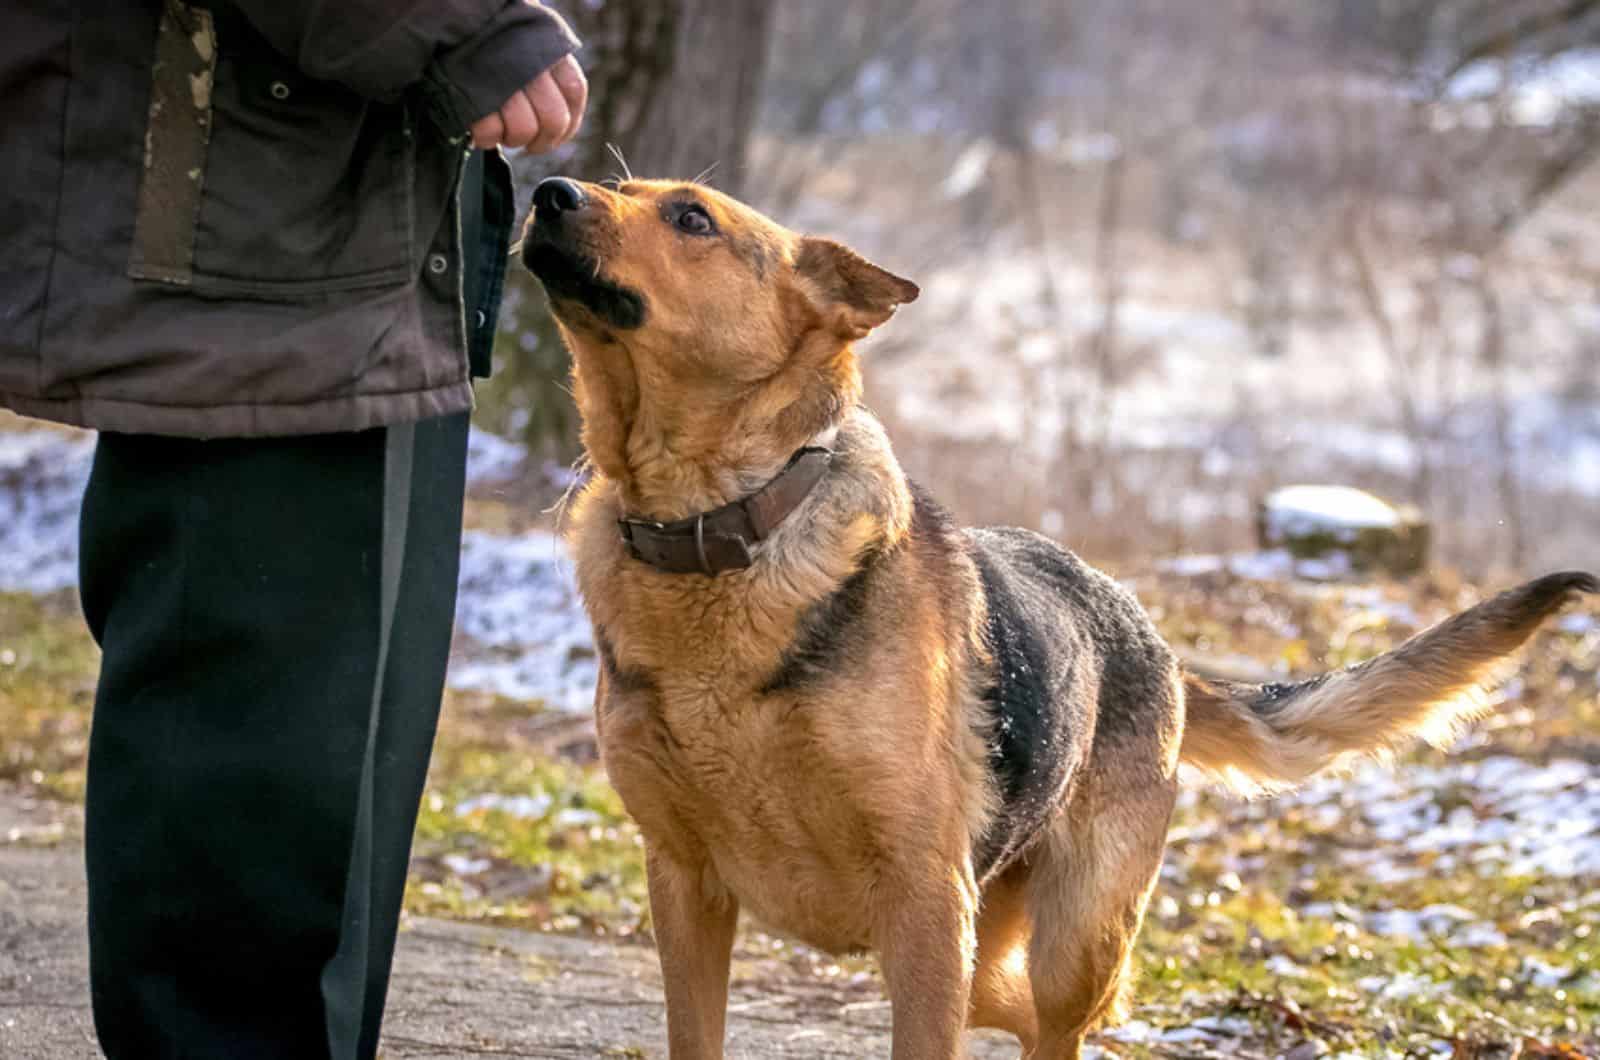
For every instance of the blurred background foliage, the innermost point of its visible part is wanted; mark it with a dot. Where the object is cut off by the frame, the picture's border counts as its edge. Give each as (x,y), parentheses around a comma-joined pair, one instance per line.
(1174,253)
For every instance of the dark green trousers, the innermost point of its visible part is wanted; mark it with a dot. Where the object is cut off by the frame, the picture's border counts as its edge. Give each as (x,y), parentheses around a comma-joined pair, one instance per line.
(275,617)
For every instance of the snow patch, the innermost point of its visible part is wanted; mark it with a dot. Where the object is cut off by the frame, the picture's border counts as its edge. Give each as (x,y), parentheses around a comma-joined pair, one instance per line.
(1300,510)
(1268,565)
(1404,923)
(527,807)
(1401,987)
(492,459)
(462,865)
(1542,975)
(1520,818)
(526,634)
(1285,967)
(1537,90)
(42,476)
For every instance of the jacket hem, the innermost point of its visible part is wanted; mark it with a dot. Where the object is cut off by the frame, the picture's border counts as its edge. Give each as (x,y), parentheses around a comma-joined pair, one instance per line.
(354,412)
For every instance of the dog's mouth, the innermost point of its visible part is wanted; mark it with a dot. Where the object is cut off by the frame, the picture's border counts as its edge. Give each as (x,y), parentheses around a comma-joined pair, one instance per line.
(573,276)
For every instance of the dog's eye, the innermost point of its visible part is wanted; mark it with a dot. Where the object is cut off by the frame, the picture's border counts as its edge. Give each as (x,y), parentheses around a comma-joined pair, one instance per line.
(695,221)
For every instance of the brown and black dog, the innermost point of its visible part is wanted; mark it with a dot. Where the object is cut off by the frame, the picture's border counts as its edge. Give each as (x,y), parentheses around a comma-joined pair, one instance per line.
(827,705)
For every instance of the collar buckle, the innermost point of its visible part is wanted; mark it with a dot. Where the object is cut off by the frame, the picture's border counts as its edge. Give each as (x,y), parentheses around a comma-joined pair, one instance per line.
(700,544)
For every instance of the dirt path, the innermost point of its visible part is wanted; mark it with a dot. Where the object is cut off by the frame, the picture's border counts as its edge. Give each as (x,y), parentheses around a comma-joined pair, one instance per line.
(459,990)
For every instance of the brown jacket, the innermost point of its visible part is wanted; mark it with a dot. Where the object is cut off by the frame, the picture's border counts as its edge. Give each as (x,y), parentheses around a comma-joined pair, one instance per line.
(240,219)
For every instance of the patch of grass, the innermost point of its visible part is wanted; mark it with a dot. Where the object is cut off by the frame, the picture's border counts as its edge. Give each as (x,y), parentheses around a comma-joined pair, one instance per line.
(551,848)
(48,665)
(1214,942)
(1357,989)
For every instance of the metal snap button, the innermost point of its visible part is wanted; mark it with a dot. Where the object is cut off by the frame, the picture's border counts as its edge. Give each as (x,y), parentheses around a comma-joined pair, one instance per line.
(279,90)
(483,318)
(438,264)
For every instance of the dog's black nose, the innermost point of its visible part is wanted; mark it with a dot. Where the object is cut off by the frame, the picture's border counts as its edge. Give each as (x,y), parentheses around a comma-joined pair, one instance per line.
(556,195)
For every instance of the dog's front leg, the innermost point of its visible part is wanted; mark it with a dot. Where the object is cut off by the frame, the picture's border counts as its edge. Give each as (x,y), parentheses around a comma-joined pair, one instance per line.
(927,944)
(694,918)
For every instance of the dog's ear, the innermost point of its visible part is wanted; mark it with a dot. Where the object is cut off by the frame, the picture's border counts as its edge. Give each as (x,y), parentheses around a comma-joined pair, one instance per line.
(853,293)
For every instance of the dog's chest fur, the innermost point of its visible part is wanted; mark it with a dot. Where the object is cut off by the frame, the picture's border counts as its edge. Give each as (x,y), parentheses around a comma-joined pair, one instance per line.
(803,729)
(754,791)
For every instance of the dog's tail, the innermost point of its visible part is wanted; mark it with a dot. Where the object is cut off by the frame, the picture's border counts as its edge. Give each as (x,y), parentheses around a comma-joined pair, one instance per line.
(1270,737)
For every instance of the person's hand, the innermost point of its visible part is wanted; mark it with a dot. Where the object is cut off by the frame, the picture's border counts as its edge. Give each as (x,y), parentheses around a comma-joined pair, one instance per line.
(541,115)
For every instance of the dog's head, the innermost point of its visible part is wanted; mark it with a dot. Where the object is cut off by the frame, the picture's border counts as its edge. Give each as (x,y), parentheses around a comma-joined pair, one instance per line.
(708,341)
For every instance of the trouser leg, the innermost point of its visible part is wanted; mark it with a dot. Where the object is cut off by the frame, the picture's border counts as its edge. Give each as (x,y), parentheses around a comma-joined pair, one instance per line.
(275,618)
(413,684)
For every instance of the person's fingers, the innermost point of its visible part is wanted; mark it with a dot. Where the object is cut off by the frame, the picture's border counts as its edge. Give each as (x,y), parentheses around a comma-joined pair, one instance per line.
(487,131)
(552,110)
(523,126)
(542,115)
(574,88)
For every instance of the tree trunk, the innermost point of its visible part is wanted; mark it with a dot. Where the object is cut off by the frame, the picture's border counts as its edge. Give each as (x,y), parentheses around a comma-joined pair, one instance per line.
(1506,483)
(673,88)
(688,104)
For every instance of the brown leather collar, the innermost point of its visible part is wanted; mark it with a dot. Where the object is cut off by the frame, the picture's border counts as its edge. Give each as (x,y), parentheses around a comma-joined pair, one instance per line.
(717,541)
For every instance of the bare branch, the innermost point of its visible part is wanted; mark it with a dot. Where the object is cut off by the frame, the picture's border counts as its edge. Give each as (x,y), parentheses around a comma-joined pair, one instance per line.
(1505,39)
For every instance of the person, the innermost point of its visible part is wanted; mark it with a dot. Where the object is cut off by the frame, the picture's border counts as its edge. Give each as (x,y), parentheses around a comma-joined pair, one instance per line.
(251,243)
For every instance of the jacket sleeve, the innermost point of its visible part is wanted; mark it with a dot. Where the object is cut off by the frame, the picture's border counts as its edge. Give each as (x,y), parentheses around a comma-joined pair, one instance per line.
(469,55)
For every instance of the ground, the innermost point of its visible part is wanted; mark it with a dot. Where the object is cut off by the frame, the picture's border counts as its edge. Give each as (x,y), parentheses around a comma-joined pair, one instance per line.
(1447,905)
(460,990)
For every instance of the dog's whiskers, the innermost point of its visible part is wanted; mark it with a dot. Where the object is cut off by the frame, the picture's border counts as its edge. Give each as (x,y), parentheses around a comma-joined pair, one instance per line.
(705,173)
(616,152)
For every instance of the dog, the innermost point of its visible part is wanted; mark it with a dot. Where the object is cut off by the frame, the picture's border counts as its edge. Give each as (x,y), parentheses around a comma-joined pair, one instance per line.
(827,705)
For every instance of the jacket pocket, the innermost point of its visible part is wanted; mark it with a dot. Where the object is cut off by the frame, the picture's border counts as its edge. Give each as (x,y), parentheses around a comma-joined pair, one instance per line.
(262,183)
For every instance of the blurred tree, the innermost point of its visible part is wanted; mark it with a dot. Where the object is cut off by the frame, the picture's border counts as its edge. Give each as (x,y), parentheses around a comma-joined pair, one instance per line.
(824,51)
(674,87)
(1500,28)
(1447,35)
